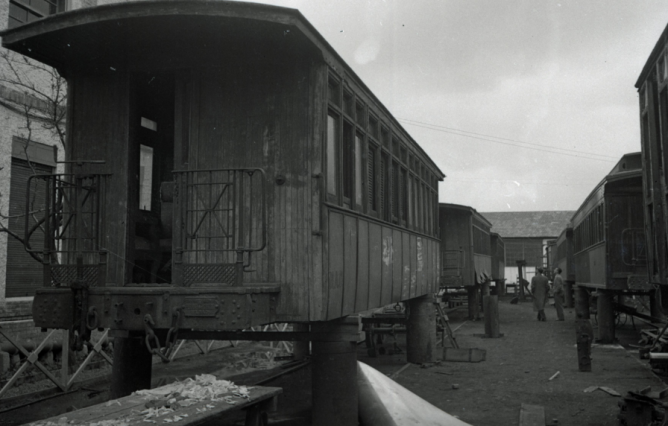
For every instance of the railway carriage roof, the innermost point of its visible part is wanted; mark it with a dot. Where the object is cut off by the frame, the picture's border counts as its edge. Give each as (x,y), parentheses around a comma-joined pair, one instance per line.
(653,57)
(628,167)
(96,35)
(466,209)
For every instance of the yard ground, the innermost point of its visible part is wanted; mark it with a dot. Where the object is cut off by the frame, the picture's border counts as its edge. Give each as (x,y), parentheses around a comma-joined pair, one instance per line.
(516,370)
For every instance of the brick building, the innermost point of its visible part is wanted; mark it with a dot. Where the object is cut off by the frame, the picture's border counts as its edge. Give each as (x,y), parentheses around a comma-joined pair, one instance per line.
(526,235)
(27,142)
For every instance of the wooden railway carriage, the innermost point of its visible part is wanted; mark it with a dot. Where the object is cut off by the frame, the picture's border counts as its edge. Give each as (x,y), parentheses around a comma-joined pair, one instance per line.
(248,176)
(465,251)
(609,241)
(563,258)
(652,86)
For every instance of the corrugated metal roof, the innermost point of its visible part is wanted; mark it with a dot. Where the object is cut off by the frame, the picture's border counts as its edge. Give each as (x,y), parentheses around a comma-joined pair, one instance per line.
(529,224)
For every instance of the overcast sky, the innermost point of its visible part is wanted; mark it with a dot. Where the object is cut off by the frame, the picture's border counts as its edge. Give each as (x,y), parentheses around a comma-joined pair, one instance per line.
(524,105)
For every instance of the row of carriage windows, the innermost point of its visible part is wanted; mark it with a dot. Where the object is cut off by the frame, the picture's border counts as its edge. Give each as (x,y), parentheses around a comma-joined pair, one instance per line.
(25,11)
(590,231)
(370,168)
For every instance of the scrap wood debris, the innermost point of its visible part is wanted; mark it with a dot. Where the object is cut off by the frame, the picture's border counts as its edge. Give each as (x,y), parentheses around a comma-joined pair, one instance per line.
(605,389)
(165,400)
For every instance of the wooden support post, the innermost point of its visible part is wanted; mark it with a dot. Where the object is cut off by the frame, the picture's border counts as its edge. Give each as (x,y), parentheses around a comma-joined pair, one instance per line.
(568,294)
(300,349)
(421,330)
(131,370)
(584,336)
(582,303)
(491,307)
(474,309)
(605,316)
(334,377)
(654,305)
(584,332)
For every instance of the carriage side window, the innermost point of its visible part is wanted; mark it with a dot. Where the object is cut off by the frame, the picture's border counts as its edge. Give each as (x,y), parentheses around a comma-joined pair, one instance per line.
(334,92)
(145,176)
(347,162)
(372,191)
(384,185)
(348,103)
(404,199)
(395,192)
(411,204)
(332,154)
(359,194)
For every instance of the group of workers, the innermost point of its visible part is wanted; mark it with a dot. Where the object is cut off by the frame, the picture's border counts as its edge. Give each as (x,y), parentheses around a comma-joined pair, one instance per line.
(540,290)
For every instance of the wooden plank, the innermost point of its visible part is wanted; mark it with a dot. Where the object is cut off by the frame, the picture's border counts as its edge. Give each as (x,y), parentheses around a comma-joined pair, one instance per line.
(386,267)
(362,288)
(397,265)
(335,273)
(375,265)
(532,415)
(317,113)
(350,236)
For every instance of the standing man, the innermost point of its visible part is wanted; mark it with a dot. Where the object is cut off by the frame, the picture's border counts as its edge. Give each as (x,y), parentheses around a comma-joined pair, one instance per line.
(540,287)
(558,291)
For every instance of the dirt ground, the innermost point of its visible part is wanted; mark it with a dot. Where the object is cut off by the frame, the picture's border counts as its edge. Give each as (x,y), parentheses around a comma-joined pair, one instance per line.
(518,366)
(516,370)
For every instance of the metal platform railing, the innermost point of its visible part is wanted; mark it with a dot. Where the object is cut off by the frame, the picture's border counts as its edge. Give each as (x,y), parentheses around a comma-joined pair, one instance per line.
(220,221)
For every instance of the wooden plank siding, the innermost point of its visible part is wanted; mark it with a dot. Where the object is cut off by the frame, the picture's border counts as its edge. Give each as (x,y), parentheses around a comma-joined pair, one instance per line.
(366,273)
(250,116)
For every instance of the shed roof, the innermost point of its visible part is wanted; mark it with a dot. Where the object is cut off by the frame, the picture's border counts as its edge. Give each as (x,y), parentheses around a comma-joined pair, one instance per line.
(544,224)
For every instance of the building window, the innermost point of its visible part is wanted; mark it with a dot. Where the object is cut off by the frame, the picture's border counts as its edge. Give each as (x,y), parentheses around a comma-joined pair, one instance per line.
(24,11)
(24,273)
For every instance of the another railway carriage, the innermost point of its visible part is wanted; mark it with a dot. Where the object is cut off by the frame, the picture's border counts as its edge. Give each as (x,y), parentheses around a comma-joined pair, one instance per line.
(466,253)
(609,241)
(226,169)
(563,258)
(652,87)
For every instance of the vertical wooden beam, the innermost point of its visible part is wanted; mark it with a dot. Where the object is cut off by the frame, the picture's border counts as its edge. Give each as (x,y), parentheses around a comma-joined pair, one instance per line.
(300,349)
(605,316)
(491,307)
(131,370)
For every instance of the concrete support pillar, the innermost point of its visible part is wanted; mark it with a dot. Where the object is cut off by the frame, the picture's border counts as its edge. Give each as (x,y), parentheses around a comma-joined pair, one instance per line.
(605,316)
(334,377)
(131,370)
(421,330)
(473,301)
(301,350)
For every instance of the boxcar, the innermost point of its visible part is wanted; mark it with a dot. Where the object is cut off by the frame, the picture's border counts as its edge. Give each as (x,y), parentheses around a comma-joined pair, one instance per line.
(226,169)
(652,87)
(609,252)
(465,251)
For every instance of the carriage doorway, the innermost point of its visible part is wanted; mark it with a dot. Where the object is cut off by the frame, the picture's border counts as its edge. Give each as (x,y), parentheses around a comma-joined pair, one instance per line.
(152,127)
